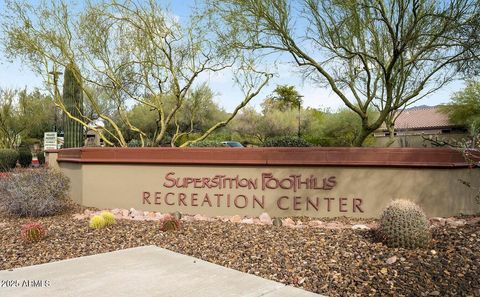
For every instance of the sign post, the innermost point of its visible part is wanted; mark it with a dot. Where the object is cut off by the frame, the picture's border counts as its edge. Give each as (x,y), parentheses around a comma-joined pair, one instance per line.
(50,141)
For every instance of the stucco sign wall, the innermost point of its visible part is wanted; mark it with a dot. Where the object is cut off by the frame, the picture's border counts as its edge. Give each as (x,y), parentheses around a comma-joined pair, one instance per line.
(282,182)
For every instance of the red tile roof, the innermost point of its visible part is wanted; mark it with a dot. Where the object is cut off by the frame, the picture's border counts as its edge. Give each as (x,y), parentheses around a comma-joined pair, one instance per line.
(422,117)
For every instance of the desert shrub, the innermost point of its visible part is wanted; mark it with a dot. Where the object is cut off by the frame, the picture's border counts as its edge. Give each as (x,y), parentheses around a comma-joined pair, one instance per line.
(108,217)
(25,157)
(34,192)
(41,157)
(286,141)
(146,143)
(97,222)
(404,224)
(207,143)
(277,222)
(134,143)
(169,223)
(33,231)
(8,159)
(177,215)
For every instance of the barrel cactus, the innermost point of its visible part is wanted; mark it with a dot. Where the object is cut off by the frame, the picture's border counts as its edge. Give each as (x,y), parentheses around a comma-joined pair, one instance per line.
(97,222)
(404,224)
(33,231)
(169,223)
(108,217)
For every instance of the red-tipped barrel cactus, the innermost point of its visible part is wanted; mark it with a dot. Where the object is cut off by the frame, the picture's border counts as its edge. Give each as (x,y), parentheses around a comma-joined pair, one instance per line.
(169,223)
(33,231)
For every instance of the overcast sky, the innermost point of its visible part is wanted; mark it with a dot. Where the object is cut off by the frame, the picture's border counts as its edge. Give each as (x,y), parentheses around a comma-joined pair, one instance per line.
(16,75)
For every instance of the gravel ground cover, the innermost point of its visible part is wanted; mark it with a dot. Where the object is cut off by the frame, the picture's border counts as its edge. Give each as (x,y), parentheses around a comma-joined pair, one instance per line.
(334,262)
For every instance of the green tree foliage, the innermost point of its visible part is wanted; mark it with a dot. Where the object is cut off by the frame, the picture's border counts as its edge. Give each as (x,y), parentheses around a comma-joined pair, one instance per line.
(337,129)
(471,65)
(198,113)
(258,127)
(11,120)
(322,128)
(372,54)
(24,115)
(286,141)
(284,97)
(39,112)
(464,109)
(464,106)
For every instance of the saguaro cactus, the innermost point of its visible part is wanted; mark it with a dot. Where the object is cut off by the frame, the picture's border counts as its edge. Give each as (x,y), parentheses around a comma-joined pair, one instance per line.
(73,100)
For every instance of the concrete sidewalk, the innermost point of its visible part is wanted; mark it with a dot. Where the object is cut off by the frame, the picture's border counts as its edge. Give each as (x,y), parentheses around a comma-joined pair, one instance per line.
(142,271)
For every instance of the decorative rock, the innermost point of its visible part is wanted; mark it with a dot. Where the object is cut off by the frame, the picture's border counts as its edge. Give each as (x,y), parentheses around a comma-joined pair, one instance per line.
(125,212)
(433,252)
(199,217)
(188,218)
(160,216)
(473,221)
(360,227)
(137,214)
(334,225)
(151,215)
(80,216)
(116,211)
(87,212)
(247,221)
(235,219)
(315,223)
(288,222)
(438,221)
(265,219)
(391,260)
(299,226)
(456,223)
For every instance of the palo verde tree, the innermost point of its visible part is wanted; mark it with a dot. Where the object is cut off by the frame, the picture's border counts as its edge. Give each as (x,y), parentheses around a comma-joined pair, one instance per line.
(132,52)
(385,54)
(470,66)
